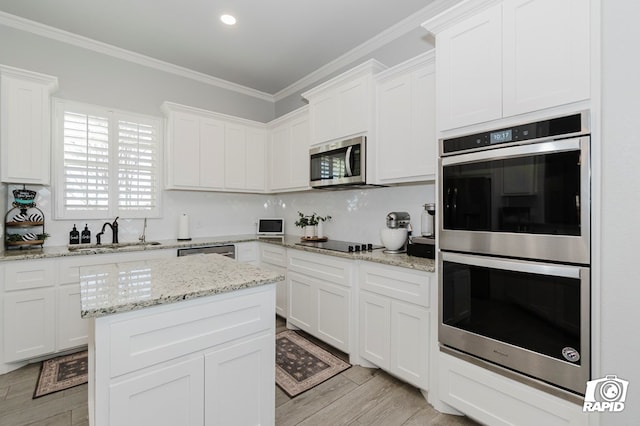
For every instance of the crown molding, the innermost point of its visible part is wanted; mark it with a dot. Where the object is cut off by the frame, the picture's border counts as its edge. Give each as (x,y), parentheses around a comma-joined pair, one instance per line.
(116,52)
(457,13)
(401,28)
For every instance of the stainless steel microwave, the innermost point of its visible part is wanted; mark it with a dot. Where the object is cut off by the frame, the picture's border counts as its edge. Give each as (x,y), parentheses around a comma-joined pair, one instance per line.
(339,164)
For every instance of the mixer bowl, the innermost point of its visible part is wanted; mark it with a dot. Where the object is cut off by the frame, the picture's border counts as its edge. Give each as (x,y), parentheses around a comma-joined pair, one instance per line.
(393,239)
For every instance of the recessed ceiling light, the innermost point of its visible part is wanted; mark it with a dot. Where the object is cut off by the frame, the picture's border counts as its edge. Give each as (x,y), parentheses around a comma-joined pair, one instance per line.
(228,19)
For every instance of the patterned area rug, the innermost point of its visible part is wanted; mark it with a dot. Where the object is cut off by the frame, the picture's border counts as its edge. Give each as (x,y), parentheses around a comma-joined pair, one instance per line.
(301,365)
(62,373)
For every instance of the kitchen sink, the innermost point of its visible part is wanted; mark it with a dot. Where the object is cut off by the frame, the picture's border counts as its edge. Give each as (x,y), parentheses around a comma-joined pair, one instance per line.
(115,246)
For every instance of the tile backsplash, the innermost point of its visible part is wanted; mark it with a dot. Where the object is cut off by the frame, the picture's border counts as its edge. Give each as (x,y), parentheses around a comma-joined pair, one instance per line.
(357,214)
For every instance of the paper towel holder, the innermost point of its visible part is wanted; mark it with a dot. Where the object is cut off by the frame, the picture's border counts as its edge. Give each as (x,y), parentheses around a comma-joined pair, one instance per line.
(183,228)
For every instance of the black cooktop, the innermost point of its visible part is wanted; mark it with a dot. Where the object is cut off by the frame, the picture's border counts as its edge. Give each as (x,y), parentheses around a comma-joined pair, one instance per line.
(343,246)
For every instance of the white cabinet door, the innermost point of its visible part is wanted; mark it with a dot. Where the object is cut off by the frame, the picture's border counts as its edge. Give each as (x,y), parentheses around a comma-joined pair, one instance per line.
(168,395)
(274,258)
(546,54)
(255,160)
(234,154)
(333,316)
(394,127)
(25,122)
(354,100)
(280,160)
(211,158)
(302,301)
(29,323)
(247,252)
(72,330)
(375,329)
(409,343)
(183,151)
(244,158)
(299,148)
(406,123)
(423,151)
(239,383)
(289,155)
(469,69)
(325,117)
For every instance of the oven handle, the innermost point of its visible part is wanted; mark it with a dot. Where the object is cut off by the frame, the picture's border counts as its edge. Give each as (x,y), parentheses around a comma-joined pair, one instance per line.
(515,265)
(516,151)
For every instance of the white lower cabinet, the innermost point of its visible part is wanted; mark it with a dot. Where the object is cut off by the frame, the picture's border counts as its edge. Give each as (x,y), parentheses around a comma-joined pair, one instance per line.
(29,309)
(29,323)
(72,330)
(247,253)
(41,304)
(395,321)
(237,389)
(320,297)
(169,395)
(274,257)
(207,361)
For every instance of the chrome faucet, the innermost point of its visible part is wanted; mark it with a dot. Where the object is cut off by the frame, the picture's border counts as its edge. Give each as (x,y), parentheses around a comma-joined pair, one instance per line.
(143,237)
(114,232)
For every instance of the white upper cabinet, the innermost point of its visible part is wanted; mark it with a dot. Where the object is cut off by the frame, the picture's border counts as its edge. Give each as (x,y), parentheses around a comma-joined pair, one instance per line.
(468,67)
(500,59)
(405,120)
(245,149)
(343,106)
(213,152)
(25,125)
(195,152)
(545,54)
(288,163)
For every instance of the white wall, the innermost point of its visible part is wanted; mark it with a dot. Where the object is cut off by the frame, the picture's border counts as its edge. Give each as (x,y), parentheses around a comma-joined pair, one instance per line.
(210,214)
(87,76)
(620,286)
(357,214)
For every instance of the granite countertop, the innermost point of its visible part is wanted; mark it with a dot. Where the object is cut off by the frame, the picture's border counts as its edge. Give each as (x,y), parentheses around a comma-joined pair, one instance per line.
(128,286)
(288,241)
(377,256)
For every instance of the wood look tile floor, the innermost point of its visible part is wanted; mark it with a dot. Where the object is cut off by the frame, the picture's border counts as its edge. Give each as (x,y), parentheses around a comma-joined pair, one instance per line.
(358,397)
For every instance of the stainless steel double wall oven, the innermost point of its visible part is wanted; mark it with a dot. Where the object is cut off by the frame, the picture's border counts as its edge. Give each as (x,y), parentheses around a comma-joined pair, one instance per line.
(515,250)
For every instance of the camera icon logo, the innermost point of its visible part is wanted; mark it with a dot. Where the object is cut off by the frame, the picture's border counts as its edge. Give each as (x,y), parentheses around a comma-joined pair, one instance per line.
(607,394)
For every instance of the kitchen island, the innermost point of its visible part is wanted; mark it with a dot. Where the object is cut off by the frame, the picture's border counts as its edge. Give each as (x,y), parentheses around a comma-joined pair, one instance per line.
(186,341)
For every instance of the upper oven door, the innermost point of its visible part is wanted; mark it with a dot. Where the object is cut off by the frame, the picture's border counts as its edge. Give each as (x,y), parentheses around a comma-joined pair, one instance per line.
(528,201)
(338,163)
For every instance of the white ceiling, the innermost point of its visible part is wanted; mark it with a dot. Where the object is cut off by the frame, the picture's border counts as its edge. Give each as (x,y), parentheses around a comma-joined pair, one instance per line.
(274,44)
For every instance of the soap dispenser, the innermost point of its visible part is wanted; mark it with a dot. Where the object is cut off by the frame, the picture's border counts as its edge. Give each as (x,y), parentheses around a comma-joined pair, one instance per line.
(86,235)
(74,236)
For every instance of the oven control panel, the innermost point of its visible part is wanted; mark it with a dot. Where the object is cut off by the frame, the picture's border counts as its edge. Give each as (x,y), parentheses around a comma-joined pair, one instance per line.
(542,129)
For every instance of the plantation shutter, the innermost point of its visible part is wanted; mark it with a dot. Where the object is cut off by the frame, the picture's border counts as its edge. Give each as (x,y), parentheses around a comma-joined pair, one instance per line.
(107,163)
(137,163)
(86,162)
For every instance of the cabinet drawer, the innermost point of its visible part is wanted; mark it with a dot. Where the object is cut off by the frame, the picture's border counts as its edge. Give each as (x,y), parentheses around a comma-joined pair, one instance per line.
(399,283)
(322,267)
(273,255)
(154,335)
(30,274)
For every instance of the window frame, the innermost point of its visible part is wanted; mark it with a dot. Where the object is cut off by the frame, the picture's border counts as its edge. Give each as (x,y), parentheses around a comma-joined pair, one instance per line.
(113,116)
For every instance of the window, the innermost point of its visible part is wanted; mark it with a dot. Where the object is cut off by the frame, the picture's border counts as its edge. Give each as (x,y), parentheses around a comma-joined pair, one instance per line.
(108,163)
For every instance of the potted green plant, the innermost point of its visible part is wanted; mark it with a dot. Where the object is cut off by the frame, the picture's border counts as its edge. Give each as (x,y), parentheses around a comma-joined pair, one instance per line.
(311,224)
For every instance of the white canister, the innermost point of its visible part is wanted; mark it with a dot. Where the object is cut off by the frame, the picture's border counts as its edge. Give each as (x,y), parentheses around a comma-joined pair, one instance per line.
(183,227)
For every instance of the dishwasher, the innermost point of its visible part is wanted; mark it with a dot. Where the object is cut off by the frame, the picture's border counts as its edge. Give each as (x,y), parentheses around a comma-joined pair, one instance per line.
(228,250)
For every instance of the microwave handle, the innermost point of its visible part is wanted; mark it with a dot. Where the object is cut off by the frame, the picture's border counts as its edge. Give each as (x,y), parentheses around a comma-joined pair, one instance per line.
(347,162)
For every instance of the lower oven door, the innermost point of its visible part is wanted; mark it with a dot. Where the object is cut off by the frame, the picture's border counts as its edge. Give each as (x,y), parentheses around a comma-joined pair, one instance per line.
(527,316)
